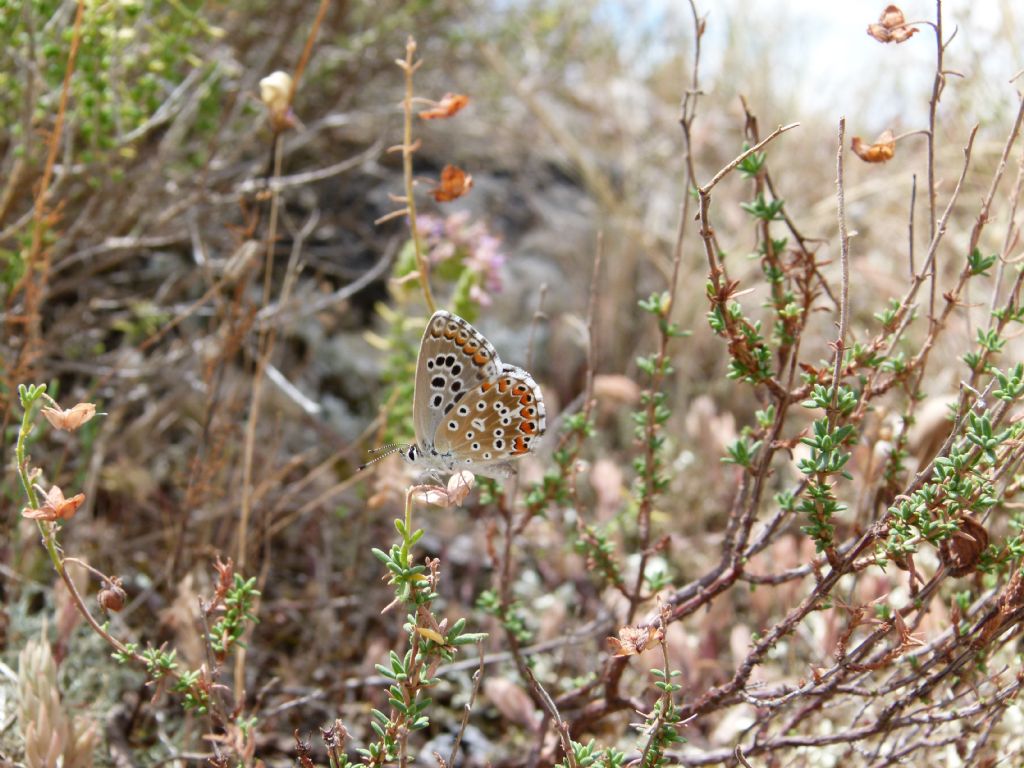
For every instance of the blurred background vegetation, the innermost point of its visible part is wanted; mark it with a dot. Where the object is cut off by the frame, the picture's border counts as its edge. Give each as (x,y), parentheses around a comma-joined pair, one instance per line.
(137,283)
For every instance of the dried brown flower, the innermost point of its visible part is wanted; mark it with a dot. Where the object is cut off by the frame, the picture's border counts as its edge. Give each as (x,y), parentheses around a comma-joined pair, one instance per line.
(891,27)
(55,506)
(1012,597)
(881,151)
(335,736)
(70,419)
(225,578)
(449,104)
(459,486)
(112,597)
(634,640)
(453,184)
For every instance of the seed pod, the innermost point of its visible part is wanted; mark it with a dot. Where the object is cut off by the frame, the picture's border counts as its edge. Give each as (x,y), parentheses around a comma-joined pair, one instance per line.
(961,552)
(112,596)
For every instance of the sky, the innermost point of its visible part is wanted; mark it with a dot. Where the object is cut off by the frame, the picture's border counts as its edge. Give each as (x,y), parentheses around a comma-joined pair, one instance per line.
(820,52)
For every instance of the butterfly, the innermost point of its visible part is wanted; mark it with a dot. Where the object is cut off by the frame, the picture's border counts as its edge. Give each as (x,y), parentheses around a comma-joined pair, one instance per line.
(470,411)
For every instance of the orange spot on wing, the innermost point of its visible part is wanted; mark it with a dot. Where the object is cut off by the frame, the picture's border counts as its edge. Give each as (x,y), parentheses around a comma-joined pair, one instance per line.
(480,358)
(527,427)
(519,446)
(485,385)
(503,385)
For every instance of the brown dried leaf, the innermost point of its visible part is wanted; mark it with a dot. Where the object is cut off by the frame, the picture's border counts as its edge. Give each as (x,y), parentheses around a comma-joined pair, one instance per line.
(1012,597)
(70,419)
(512,701)
(617,388)
(961,552)
(609,486)
(449,104)
(881,151)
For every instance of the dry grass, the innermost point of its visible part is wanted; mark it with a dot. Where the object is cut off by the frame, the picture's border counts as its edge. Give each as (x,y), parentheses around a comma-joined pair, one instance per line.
(209,277)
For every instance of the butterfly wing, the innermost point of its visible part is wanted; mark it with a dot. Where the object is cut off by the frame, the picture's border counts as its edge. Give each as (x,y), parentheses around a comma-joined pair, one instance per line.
(494,423)
(454,359)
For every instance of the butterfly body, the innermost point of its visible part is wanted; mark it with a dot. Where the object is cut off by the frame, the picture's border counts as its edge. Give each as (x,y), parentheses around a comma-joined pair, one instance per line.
(470,411)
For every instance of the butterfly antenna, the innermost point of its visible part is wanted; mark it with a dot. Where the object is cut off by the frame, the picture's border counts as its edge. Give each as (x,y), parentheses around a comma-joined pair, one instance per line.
(384,451)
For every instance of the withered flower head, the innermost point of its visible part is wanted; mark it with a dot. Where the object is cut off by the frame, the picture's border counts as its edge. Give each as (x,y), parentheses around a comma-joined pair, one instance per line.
(449,104)
(634,640)
(335,736)
(225,578)
(453,184)
(459,486)
(112,597)
(70,419)
(55,506)
(883,150)
(1012,597)
(891,27)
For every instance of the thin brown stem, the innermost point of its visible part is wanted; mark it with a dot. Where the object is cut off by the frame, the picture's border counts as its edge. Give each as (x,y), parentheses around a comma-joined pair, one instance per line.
(844,271)
(938,83)
(409,67)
